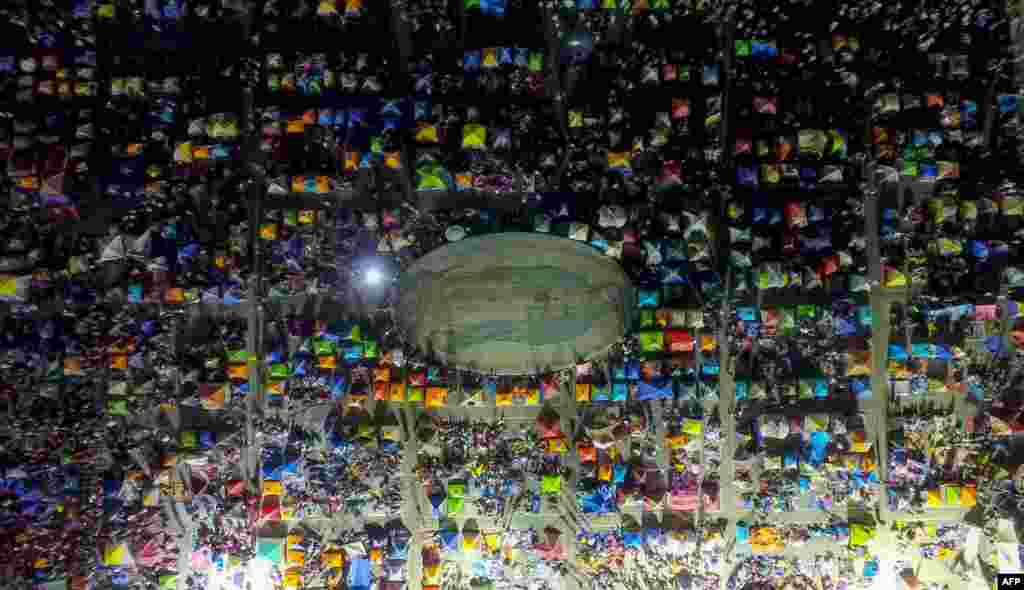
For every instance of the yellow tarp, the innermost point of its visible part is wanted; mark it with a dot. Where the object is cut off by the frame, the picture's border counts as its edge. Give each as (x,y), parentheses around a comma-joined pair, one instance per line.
(397,392)
(432,575)
(426,133)
(271,488)
(296,558)
(619,160)
(557,446)
(860,534)
(333,559)
(583,392)
(474,136)
(116,555)
(493,541)
(859,441)
(293,580)
(675,442)
(151,497)
(437,397)
(765,540)
(968,496)
(694,427)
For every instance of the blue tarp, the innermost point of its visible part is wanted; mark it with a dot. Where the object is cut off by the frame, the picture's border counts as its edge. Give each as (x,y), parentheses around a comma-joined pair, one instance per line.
(975,391)
(619,473)
(864,315)
(599,501)
(742,533)
(790,460)
(861,387)
(742,390)
(845,327)
(648,298)
(111,486)
(398,551)
(339,387)
(709,281)
(632,540)
(674,274)
(921,351)
(353,352)
(207,439)
(437,502)
(653,536)
(359,574)
(620,392)
(919,384)
(449,540)
(494,8)
(273,462)
(657,389)
(870,569)
(818,447)
(299,367)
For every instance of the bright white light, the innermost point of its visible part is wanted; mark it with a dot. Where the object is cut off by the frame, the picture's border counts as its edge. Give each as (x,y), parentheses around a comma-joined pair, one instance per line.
(887,576)
(259,574)
(373,277)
